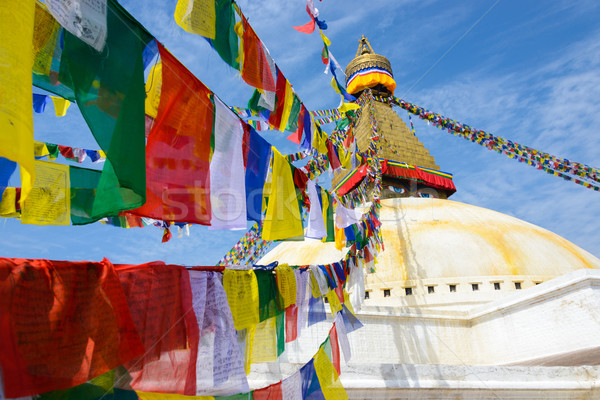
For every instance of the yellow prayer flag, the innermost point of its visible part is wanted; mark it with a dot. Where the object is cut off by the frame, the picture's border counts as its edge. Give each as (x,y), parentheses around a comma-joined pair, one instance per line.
(282,219)
(334,302)
(8,203)
(153,89)
(340,238)
(348,303)
(328,377)
(169,396)
(49,202)
(16,101)
(347,107)
(197,16)
(241,288)
(325,38)
(60,106)
(44,39)
(320,141)
(287,105)
(40,149)
(334,85)
(286,284)
(264,347)
(325,208)
(345,158)
(239,30)
(314,286)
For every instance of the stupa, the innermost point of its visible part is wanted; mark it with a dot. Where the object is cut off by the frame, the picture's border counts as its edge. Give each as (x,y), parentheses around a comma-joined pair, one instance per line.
(466,302)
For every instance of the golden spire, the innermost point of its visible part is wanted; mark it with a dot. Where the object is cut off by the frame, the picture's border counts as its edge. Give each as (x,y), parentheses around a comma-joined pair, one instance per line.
(369,70)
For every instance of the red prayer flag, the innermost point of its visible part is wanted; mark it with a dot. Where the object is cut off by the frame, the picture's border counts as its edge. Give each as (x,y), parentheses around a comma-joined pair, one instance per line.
(308,28)
(67,152)
(335,349)
(178,148)
(291,323)
(255,69)
(272,392)
(160,302)
(61,324)
(332,155)
(276,114)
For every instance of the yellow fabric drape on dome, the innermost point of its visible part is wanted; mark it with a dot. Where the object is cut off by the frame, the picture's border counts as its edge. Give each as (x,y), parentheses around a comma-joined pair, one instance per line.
(362,82)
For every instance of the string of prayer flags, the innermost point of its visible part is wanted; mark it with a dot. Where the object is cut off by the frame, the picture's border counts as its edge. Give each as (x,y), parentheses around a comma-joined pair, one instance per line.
(86,300)
(92,78)
(160,299)
(578,173)
(282,219)
(52,151)
(179,148)
(60,105)
(16,119)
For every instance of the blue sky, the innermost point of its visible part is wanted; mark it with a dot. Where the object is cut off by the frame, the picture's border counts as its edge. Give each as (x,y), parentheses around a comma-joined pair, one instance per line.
(525,70)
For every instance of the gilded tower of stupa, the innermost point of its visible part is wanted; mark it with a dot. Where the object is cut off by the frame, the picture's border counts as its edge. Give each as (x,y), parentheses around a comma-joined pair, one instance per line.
(370,70)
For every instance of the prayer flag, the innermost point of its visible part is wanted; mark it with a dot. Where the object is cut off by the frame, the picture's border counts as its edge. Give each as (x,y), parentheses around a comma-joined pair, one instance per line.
(243,297)
(258,154)
(226,40)
(282,219)
(267,294)
(296,137)
(286,285)
(49,202)
(60,106)
(316,225)
(256,69)
(160,301)
(84,19)
(220,365)
(272,392)
(179,147)
(16,102)
(197,16)
(227,175)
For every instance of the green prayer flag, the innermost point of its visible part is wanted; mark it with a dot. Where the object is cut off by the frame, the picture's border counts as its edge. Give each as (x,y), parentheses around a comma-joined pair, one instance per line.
(83,193)
(280,327)
(108,88)
(292,124)
(267,294)
(226,40)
